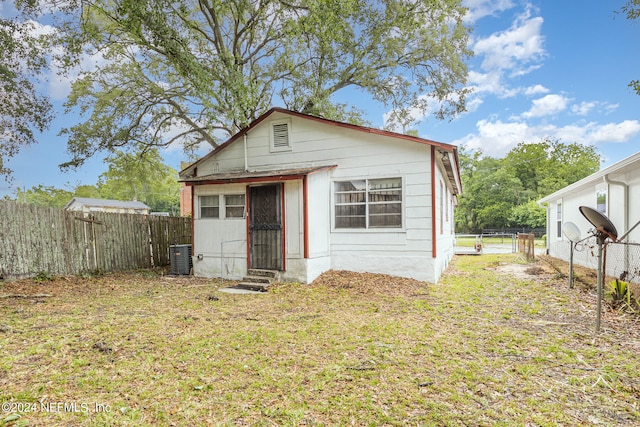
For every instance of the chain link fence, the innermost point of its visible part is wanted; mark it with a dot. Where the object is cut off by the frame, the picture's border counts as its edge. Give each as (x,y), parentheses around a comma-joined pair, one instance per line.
(621,259)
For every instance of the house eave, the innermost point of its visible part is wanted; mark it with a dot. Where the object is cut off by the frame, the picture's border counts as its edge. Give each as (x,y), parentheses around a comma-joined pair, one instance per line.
(273,175)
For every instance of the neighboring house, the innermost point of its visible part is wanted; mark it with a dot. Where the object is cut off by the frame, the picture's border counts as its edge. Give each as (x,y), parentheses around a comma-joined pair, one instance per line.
(88,205)
(302,195)
(612,191)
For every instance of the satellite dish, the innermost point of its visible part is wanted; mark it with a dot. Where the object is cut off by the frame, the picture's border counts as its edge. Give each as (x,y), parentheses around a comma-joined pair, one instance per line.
(571,231)
(604,227)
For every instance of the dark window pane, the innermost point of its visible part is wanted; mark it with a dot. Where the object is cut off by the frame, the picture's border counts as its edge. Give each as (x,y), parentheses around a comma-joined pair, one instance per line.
(385,196)
(235,211)
(351,186)
(350,197)
(209,200)
(350,222)
(350,216)
(385,208)
(209,212)
(388,221)
(234,200)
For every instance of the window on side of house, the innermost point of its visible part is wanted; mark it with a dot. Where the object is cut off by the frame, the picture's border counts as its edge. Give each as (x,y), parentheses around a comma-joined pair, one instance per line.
(559,219)
(209,206)
(601,201)
(373,203)
(234,205)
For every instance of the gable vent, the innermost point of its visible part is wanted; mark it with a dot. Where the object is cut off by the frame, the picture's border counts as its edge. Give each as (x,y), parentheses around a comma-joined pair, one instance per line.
(281,135)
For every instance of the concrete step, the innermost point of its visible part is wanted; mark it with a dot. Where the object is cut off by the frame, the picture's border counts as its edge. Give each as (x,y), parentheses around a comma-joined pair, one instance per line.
(273,274)
(258,279)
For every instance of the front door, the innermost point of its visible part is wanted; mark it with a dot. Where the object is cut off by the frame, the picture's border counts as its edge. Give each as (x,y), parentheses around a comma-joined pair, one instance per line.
(265,226)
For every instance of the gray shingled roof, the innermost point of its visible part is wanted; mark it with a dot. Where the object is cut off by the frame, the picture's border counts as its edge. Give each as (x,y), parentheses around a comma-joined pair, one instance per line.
(107,203)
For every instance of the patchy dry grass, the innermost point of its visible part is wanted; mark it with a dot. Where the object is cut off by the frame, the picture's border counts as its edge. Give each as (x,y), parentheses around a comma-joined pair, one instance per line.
(494,343)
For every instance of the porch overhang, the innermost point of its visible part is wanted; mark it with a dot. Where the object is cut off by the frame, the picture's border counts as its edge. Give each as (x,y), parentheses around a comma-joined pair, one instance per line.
(255,176)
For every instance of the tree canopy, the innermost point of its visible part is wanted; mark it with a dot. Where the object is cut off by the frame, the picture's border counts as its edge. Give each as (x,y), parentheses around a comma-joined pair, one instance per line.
(23,109)
(143,177)
(502,193)
(198,71)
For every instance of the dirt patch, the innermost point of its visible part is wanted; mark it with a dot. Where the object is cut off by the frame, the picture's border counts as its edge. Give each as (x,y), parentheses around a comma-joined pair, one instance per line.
(526,271)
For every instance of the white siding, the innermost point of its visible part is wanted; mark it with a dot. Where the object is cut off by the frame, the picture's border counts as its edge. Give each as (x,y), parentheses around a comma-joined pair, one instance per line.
(222,243)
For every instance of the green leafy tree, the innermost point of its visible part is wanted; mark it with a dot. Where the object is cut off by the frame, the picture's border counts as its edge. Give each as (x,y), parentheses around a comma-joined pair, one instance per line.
(499,193)
(198,71)
(88,191)
(42,195)
(141,176)
(549,165)
(529,214)
(23,110)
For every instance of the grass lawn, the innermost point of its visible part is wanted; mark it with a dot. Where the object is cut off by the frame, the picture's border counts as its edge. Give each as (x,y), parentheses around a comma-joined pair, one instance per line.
(492,343)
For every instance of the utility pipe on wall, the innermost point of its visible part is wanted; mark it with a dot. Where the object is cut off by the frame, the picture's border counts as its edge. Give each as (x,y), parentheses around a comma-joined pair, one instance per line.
(625,198)
(246,158)
(625,187)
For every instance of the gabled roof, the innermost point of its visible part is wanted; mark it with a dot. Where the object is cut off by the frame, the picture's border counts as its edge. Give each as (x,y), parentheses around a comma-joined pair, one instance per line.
(107,203)
(631,163)
(448,148)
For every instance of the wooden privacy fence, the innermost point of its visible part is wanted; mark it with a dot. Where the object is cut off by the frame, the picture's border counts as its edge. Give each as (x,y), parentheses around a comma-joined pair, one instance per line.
(39,239)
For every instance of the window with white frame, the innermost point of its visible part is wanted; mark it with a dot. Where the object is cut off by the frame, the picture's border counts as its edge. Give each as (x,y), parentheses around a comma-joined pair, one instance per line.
(234,205)
(368,203)
(222,206)
(209,206)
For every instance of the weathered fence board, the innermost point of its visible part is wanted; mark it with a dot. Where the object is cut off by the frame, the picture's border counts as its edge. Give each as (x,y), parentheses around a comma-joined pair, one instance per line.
(35,239)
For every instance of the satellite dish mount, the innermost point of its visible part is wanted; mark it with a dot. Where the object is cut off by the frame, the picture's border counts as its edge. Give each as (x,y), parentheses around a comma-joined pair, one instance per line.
(604,230)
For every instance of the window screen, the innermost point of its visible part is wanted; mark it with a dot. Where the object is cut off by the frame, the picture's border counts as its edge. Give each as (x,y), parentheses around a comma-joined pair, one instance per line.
(209,207)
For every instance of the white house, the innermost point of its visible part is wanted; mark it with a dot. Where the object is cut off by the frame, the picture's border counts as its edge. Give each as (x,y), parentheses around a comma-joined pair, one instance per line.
(613,191)
(301,195)
(87,205)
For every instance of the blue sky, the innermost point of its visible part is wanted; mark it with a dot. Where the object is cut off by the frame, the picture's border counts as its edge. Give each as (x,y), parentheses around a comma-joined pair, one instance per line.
(544,68)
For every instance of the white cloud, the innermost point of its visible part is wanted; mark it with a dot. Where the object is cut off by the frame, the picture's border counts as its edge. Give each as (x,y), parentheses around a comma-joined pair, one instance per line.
(610,108)
(535,90)
(515,47)
(473,103)
(547,105)
(481,8)
(587,107)
(615,132)
(507,54)
(496,138)
(583,108)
